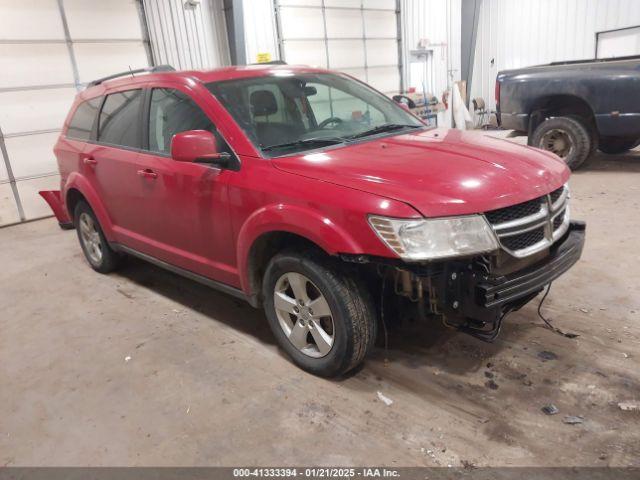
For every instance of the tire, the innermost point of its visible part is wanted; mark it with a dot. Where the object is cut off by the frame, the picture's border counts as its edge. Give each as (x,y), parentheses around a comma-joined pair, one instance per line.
(567,137)
(615,145)
(351,322)
(95,247)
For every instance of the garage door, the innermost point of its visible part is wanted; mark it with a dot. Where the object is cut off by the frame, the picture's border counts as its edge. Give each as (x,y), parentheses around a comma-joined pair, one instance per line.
(358,37)
(49,49)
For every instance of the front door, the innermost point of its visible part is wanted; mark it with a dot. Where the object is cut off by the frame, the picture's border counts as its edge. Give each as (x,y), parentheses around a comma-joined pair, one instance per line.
(185,204)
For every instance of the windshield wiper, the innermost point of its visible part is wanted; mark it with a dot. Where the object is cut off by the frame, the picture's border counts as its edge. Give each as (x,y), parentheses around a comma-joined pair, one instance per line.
(387,127)
(308,142)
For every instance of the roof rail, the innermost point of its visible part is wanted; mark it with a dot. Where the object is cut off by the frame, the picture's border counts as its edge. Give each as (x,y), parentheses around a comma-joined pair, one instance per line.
(272,62)
(159,68)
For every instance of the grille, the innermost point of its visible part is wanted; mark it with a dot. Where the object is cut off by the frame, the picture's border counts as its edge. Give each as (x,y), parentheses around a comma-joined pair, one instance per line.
(555,195)
(515,212)
(523,240)
(536,222)
(558,220)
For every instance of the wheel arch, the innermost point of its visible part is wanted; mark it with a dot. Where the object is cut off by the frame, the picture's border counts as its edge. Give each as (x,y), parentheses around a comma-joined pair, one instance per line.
(560,105)
(77,189)
(274,228)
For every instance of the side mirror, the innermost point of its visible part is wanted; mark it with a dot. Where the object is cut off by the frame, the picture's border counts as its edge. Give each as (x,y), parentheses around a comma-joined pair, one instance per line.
(198,146)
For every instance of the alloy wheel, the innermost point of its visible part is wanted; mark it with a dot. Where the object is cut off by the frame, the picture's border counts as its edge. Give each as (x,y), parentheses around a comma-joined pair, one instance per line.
(304,315)
(90,238)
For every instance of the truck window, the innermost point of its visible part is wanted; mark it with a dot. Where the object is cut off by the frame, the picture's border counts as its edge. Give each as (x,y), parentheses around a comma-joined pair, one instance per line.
(81,123)
(172,112)
(119,122)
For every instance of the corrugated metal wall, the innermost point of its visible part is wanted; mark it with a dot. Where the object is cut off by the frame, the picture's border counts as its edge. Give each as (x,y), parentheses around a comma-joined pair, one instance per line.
(519,33)
(437,21)
(187,34)
(260,29)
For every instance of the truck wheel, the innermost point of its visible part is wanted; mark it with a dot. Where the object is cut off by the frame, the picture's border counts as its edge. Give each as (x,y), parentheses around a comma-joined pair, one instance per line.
(93,242)
(615,145)
(567,137)
(320,315)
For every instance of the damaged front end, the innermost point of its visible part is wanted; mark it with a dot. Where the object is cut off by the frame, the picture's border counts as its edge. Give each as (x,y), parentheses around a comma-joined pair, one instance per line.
(474,295)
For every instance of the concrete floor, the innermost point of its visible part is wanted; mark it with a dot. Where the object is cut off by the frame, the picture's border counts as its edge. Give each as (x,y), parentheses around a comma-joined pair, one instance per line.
(146,368)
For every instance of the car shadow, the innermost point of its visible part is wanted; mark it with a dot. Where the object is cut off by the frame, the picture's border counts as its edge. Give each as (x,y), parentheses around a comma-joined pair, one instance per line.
(215,305)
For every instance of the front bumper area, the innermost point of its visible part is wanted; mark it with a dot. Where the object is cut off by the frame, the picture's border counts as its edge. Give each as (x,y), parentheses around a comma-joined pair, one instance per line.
(478,300)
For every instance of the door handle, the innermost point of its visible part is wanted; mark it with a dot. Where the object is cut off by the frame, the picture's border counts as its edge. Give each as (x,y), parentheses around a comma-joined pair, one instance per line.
(90,161)
(147,173)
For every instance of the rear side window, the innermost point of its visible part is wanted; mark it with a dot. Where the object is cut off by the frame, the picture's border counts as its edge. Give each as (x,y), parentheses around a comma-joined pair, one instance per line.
(81,123)
(120,119)
(173,112)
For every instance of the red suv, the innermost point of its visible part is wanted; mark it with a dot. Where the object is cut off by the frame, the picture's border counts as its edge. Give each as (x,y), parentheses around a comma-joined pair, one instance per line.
(308,193)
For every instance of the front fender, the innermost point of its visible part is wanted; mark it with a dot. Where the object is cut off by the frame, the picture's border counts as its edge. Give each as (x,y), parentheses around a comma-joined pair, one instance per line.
(77,181)
(305,222)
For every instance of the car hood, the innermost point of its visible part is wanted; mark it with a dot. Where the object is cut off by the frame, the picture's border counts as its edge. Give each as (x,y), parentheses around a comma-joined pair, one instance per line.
(439,172)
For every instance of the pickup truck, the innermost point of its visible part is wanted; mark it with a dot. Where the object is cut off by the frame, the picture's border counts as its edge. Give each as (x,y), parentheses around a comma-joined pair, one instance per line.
(573,108)
(309,194)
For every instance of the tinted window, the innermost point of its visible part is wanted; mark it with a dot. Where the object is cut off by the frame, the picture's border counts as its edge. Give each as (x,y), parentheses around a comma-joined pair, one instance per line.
(120,119)
(81,123)
(173,112)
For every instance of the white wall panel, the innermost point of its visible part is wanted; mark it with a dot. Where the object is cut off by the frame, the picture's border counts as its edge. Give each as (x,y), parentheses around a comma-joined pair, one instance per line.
(30,110)
(97,60)
(30,19)
(32,155)
(34,64)
(306,53)
(113,19)
(343,23)
(519,33)
(345,53)
(382,52)
(301,23)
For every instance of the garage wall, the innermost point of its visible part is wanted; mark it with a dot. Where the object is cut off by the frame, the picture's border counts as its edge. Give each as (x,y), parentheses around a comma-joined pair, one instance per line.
(48,50)
(188,35)
(437,24)
(438,21)
(520,33)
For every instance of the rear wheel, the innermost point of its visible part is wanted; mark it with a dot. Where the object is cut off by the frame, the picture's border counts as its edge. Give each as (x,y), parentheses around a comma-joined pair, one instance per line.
(614,145)
(321,316)
(97,251)
(567,137)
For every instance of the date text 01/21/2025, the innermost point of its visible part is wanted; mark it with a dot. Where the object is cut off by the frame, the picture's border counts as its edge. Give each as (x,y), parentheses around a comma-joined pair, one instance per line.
(326,472)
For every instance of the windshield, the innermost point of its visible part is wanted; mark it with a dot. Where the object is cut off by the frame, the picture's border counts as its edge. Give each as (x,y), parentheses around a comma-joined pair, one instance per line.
(286,114)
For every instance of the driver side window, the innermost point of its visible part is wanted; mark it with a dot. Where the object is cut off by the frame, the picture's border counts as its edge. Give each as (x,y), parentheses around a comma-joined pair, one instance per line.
(171,112)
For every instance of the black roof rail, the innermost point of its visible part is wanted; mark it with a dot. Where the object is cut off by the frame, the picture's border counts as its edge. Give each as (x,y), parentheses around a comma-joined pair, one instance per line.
(272,62)
(159,68)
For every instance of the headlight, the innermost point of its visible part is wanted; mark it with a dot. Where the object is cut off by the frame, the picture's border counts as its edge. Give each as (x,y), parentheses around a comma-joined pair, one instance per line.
(428,239)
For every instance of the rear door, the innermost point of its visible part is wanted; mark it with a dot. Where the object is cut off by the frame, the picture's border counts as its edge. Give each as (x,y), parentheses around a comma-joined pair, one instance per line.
(110,161)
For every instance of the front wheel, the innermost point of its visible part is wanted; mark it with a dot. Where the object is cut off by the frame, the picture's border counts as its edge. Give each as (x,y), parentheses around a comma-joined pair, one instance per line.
(615,145)
(567,137)
(320,315)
